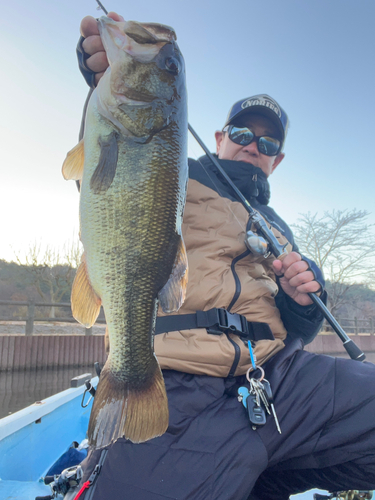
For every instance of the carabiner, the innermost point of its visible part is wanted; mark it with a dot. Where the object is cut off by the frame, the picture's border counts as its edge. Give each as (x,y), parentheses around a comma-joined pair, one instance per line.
(91,390)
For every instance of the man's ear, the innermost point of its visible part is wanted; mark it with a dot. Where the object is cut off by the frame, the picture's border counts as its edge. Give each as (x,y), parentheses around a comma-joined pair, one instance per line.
(219,136)
(279,158)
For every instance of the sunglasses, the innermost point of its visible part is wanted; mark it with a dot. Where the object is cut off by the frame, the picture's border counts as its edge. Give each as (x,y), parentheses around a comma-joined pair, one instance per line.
(243,136)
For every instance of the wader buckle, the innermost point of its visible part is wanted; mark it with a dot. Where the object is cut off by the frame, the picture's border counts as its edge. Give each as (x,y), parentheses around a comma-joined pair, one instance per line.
(229,323)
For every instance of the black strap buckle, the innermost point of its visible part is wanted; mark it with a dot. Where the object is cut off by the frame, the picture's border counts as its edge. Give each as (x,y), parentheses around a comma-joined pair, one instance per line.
(229,323)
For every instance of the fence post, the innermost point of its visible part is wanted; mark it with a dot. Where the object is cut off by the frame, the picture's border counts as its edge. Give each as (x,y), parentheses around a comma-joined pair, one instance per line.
(356,325)
(88,331)
(30,319)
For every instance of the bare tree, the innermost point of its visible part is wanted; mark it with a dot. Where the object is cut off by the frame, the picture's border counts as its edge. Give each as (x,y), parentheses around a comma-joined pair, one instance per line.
(51,271)
(342,243)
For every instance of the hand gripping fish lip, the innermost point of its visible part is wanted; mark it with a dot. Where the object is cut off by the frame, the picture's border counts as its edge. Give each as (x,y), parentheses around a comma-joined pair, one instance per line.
(138,40)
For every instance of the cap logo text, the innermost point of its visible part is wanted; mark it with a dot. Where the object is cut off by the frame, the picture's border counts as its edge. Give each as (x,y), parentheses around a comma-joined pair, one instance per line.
(262,101)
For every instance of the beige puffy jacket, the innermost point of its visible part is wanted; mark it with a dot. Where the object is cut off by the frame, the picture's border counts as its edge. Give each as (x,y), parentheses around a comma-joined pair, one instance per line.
(222,274)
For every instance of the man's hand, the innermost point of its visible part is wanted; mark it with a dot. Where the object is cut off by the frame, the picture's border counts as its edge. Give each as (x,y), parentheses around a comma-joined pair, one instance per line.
(295,278)
(93,46)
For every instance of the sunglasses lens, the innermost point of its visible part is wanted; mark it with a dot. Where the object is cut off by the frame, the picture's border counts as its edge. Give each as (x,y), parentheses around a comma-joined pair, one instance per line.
(241,135)
(268,146)
(244,136)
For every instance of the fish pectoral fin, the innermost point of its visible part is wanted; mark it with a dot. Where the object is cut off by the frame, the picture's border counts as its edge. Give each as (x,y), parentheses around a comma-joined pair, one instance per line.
(120,409)
(172,295)
(72,168)
(105,171)
(85,302)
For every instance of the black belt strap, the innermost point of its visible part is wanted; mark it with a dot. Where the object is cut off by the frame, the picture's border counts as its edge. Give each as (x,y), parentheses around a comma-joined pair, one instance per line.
(216,321)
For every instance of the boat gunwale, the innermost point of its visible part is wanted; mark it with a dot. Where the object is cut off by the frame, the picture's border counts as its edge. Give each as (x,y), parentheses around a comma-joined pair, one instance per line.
(13,423)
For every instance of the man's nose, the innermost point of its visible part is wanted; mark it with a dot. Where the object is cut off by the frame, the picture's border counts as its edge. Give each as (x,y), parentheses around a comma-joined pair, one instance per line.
(252,148)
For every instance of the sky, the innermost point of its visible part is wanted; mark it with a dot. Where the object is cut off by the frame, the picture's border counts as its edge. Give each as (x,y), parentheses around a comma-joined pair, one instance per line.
(316,58)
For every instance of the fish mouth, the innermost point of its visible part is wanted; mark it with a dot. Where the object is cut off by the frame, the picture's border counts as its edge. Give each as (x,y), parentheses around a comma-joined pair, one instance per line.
(136,95)
(141,33)
(142,42)
(145,33)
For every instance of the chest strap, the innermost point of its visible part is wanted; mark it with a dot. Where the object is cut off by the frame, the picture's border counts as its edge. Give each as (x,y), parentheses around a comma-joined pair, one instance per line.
(216,321)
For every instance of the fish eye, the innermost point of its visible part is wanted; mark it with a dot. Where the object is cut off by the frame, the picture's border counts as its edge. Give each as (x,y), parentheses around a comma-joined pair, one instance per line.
(172,65)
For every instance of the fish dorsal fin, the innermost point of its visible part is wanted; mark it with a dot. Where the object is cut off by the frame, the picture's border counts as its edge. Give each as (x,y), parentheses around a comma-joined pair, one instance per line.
(105,171)
(85,302)
(172,295)
(73,165)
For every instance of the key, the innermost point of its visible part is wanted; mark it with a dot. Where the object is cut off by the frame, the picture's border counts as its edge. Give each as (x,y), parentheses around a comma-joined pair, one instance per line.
(256,387)
(269,396)
(263,397)
(256,413)
(254,390)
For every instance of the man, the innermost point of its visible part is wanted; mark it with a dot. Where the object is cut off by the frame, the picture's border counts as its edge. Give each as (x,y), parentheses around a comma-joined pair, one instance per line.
(212,450)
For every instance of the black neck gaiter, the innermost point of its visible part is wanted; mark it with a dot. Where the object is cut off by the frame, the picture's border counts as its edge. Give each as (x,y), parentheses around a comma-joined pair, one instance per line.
(250,180)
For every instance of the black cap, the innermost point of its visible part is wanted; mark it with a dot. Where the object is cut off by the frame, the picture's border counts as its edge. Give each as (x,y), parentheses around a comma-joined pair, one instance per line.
(261,104)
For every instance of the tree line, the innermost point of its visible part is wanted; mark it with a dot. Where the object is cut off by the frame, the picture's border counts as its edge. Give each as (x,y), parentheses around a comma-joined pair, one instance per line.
(342,243)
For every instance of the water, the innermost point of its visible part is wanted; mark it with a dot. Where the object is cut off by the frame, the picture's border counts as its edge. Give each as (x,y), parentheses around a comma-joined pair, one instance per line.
(19,389)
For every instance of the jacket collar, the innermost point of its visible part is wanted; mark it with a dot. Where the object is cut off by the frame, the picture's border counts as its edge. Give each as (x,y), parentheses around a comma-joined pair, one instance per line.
(250,180)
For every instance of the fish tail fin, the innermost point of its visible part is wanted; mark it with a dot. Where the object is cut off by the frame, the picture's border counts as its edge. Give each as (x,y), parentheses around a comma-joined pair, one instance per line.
(120,410)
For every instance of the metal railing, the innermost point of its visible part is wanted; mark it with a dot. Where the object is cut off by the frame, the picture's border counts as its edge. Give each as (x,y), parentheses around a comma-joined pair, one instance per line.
(350,325)
(31,316)
(354,325)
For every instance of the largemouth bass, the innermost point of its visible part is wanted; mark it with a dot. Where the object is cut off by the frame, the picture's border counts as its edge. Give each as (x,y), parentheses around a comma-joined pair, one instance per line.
(132,163)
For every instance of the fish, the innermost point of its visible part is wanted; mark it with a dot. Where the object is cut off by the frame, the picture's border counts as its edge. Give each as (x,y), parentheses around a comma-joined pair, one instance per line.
(132,169)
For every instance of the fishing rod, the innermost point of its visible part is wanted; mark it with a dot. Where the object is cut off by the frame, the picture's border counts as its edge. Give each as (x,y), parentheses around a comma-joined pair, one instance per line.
(101,6)
(267,243)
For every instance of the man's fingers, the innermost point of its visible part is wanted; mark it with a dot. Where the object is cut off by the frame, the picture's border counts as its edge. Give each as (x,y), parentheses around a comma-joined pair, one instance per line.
(89,26)
(290,259)
(277,267)
(92,45)
(302,278)
(98,62)
(296,268)
(115,16)
(311,286)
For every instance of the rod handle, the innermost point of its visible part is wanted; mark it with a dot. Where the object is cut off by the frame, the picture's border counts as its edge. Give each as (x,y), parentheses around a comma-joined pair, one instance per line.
(354,351)
(351,347)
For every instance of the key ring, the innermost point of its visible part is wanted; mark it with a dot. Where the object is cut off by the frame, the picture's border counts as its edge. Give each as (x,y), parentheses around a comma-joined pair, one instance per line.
(258,379)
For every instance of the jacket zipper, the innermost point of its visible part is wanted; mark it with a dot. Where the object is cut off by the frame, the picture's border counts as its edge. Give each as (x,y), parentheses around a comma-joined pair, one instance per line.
(236,279)
(237,355)
(237,350)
